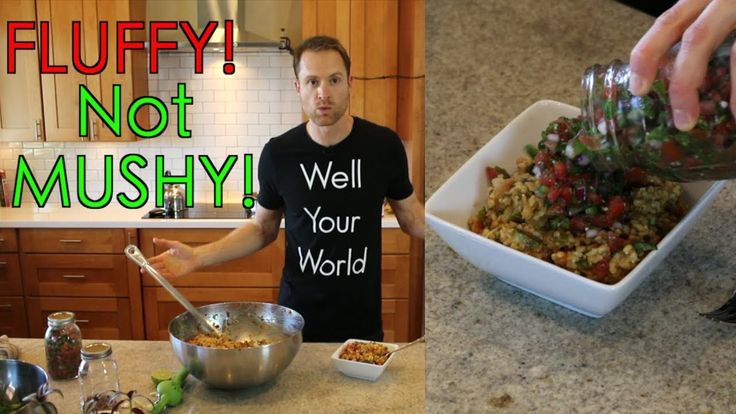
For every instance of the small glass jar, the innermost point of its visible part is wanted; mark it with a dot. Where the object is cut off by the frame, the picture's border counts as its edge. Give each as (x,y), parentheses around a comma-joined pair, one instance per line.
(622,130)
(63,344)
(98,374)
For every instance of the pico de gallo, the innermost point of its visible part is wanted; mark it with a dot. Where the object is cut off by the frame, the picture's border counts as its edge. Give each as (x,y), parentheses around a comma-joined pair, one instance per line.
(623,130)
(559,208)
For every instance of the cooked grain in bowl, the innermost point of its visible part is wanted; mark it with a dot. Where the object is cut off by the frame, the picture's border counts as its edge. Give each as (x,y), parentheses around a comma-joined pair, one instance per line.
(558,208)
(369,352)
(214,341)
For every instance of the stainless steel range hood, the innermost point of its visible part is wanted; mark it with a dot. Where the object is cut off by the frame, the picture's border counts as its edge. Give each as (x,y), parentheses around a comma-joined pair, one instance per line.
(258,23)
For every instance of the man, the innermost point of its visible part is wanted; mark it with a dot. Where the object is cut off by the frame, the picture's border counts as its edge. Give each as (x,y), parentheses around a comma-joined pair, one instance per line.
(328,178)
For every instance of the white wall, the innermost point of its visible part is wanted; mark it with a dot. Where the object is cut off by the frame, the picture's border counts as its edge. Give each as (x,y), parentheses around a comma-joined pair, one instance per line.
(234,114)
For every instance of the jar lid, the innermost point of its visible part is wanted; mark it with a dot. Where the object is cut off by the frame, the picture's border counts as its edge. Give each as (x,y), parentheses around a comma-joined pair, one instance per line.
(60,318)
(96,350)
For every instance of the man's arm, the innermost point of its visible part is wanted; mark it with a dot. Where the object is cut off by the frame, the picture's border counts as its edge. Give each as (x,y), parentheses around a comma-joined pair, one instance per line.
(180,259)
(410,213)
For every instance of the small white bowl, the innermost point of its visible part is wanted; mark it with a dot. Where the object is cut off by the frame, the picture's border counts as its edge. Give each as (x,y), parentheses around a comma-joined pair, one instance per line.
(462,195)
(361,370)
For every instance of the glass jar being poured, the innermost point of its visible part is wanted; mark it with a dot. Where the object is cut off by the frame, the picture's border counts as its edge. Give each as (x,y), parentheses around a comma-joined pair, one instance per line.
(623,131)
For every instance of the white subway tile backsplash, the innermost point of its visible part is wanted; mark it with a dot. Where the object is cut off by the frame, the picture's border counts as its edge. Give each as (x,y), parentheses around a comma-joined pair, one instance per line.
(235,114)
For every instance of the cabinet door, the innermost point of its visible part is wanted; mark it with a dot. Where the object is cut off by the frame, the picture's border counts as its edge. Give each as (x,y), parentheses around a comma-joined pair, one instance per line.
(98,318)
(98,275)
(261,269)
(161,308)
(395,315)
(395,276)
(73,240)
(20,93)
(61,91)
(10,280)
(8,240)
(13,317)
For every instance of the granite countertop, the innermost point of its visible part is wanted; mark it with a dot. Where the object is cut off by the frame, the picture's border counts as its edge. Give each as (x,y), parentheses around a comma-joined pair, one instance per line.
(309,385)
(494,348)
(116,216)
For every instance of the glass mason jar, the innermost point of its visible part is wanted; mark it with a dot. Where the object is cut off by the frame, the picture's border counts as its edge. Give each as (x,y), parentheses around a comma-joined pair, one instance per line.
(98,374)
(622,130)
(63,344)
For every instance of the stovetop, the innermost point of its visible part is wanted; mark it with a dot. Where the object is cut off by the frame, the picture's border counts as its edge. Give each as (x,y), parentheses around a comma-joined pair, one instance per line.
(205,211)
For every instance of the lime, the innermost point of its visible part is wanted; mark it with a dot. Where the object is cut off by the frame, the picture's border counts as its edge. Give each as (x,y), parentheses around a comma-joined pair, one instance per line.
(161,374)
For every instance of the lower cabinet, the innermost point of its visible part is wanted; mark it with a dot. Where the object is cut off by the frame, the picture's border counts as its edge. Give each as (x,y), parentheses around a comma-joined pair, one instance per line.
(13,317)
(160,307)
(98,318)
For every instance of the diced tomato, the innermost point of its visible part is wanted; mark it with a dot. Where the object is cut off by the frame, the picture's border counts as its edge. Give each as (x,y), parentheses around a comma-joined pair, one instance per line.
(672,151)
(560,169)
(690,162)
(601,221)
(577,224)
(491,173)
(595,198)
(476,226)
(566,194)
(635,176)
(616,209)
(615,244)
(541,157)
(547,180)
(600,269)
(553,194)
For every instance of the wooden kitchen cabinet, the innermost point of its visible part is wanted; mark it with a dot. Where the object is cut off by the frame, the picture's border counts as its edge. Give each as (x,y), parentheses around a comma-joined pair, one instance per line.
(13,317)
(84,271)
(61,91)
(12,308)
(161,307)
(21,115)
(98,318)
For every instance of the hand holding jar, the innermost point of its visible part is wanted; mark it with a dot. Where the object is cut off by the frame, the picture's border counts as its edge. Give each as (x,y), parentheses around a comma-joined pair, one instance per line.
(702,25)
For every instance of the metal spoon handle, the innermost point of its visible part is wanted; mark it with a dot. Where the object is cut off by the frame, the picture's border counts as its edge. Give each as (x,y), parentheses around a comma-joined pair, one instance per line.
(135,255)
(412,343)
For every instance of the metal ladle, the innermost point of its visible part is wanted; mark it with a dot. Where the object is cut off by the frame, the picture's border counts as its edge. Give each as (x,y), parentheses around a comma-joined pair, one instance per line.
(135,255)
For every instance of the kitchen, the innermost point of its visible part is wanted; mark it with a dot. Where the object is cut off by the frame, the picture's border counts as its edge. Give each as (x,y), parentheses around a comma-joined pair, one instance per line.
(231,116)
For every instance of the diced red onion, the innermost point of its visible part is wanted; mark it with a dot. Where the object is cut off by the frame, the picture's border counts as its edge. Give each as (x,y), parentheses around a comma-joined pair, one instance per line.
(590,233)
(655,144)
(570,151)
(553,137)
(580,193)
(617,225)
(583,160)
(602,128)
(536,171)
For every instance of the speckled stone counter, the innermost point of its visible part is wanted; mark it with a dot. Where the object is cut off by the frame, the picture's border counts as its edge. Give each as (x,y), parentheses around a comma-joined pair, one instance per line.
(309,385)
(496,349)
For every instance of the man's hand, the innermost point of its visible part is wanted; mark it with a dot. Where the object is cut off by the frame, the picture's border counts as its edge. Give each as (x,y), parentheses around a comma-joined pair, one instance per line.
(178,260)
(702,25)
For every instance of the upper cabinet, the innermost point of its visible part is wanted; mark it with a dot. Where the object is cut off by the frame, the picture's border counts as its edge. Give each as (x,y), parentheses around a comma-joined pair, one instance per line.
(56,96)
(21,117)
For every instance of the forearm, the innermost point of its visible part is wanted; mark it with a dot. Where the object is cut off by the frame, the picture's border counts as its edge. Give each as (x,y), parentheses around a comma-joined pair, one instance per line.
(413,225)
(410,214)
(243,241)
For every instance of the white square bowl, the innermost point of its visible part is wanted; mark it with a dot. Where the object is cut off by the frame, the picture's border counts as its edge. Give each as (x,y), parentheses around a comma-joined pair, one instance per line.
(449,208)
(361,370)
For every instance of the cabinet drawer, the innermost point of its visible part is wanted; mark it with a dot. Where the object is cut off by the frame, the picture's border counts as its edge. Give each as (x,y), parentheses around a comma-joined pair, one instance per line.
(98,318)
(394,241)
(72,240)
(13,317)
(8,240)
(161,308)
(100,275)
(261,269)
(395,315)
(395,276)
(10,279)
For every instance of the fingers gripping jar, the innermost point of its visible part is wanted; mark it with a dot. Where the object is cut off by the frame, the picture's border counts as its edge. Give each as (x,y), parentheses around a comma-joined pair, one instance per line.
(98,373)
(63,345)
(623,131)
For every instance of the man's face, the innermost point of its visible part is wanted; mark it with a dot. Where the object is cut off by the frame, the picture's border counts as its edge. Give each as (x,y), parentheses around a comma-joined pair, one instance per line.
(323,86)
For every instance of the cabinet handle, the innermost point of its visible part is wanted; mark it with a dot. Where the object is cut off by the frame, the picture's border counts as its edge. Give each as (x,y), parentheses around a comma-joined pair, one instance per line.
(93,130)
(82,320)
(73,276)
(5,305)
(2,240)
(3,264)
(37,128)
(70,241)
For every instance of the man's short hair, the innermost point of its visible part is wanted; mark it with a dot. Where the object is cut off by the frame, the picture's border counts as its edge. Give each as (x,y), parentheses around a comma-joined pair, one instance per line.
(319,44)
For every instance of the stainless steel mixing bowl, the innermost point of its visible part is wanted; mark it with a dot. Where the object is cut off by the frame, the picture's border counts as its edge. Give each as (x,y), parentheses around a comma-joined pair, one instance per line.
(18,379)
(246,367)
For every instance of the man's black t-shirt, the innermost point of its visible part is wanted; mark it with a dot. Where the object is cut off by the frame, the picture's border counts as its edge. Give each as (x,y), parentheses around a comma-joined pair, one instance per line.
(332,199)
